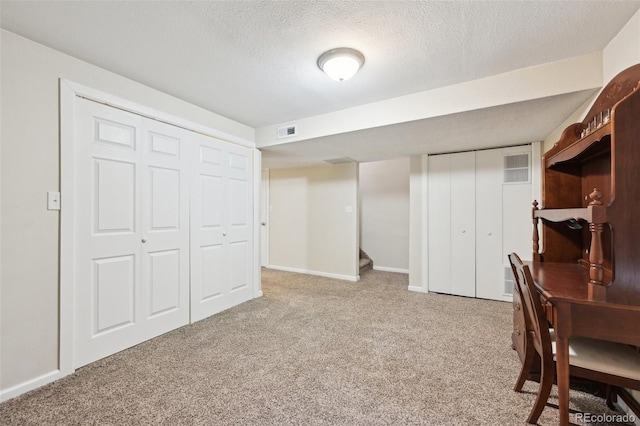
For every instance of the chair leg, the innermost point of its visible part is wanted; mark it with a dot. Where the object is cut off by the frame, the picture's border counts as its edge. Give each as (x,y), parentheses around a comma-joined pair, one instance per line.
(546,383)
(527,365)
(611,397)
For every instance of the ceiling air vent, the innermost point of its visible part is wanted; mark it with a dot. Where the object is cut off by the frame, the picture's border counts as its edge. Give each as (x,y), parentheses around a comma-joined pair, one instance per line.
(342,160)
(287,131)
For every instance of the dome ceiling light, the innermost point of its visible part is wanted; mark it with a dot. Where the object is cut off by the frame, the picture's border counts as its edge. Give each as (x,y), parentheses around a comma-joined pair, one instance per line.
(342,63)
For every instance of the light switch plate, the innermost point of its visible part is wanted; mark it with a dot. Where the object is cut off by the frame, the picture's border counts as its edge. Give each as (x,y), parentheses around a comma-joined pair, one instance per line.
(53,200)
(348,209)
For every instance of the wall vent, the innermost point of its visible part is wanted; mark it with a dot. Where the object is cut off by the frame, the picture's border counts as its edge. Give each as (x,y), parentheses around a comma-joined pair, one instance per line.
(342,160)
(287,131)
(509,282)
(516,168)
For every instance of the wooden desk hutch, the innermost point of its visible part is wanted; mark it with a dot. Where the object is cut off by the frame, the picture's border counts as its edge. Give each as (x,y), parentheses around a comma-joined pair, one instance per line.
(589,219)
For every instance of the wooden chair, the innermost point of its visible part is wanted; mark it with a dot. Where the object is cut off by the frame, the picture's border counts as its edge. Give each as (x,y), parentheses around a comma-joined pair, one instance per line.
(531,358)
(610,363)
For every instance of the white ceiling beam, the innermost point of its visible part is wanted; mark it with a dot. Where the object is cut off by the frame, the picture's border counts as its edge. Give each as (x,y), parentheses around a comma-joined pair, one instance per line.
(550,79)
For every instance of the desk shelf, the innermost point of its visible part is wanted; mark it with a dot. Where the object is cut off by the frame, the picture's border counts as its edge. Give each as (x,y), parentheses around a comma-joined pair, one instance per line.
(590,146)
(591,214)
(589,194)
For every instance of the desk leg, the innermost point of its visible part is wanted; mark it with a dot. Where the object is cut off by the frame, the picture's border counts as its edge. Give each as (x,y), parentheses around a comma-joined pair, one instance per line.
(562,371)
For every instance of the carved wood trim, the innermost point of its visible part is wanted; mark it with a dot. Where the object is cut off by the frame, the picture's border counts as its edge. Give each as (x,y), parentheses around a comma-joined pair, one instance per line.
(620,87)
(535,236)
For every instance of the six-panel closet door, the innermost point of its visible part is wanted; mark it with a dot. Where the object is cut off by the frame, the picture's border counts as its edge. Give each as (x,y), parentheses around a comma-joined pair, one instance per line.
(164,228)
(132,198)
(221,233)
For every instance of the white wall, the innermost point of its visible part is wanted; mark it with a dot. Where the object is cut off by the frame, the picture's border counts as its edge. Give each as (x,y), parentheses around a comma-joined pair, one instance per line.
(622,52)
(418,223)
(384,213)
(30,167)
(310,230)
(624,49)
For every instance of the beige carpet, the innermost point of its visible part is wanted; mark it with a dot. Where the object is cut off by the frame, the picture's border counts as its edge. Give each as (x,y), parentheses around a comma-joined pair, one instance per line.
(312,351)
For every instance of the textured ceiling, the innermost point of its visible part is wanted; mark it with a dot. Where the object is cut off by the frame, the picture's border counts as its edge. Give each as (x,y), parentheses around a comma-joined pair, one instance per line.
(511,124)
(255,61)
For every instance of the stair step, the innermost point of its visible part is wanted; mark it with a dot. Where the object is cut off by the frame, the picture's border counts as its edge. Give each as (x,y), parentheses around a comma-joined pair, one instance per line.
(364,262)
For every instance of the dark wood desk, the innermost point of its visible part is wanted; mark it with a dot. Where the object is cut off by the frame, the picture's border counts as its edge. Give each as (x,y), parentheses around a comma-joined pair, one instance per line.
(563,288)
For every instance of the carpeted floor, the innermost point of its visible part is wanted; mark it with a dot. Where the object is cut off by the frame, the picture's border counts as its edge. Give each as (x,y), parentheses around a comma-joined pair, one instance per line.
(312,351)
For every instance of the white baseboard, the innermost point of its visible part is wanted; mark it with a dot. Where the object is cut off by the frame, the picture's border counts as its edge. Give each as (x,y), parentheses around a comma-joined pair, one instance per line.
(418,289)
(353,278)
(17,390)
(386,269)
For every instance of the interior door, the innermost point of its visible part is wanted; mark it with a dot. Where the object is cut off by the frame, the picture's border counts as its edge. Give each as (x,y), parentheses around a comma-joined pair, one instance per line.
(165,227)
(132,233)
(463,224)
(221,232)
(239,235)
(439,223)
(489,261)
(451,223)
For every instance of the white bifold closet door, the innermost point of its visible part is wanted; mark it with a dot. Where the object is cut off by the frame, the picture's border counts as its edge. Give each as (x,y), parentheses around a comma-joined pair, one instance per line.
(132,280)
(451,225)
(163,232)
(479,210)
(221,233)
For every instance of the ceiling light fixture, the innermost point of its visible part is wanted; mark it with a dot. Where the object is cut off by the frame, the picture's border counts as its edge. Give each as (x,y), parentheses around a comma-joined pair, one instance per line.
(342,63)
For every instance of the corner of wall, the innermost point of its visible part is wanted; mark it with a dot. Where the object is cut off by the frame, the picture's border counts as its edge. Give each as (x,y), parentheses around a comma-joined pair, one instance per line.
(417,223)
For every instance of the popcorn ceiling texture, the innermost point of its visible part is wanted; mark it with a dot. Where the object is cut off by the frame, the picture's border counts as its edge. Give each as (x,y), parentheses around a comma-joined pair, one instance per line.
(312,351)
(255,61)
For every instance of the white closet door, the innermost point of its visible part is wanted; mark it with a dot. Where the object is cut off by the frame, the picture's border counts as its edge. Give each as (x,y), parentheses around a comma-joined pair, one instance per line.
(463,226)
(489,262)
(221,235)
(451,223)
(165,227)
(239,196)
(439,223)
(127,290)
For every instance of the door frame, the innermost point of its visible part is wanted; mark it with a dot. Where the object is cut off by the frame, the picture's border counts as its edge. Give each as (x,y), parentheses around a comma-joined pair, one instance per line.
(69,93)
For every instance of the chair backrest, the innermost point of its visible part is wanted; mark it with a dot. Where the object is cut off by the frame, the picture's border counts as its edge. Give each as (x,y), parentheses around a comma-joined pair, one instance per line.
(535,320)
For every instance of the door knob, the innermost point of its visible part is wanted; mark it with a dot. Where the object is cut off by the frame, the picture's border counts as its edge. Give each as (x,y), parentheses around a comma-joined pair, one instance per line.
(264,223)
(224,234)
(144,240)
(464,231)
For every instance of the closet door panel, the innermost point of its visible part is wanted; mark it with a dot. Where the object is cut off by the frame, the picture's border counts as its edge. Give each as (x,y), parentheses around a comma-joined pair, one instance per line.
(463,225)
(107,265)
(221,227)
(165,228)
(489,262)
(132,251)
(208,216)
(211,263)
(239,224)
(439,223)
